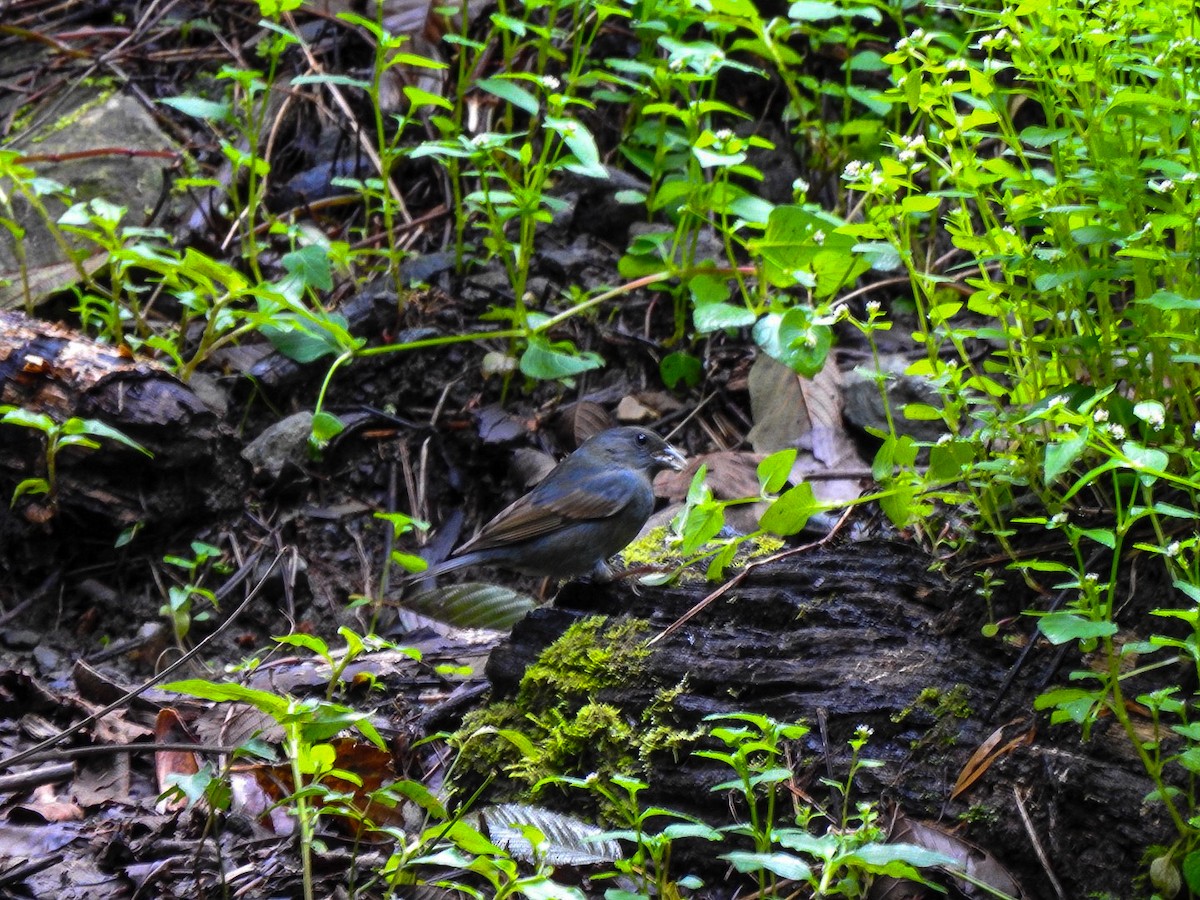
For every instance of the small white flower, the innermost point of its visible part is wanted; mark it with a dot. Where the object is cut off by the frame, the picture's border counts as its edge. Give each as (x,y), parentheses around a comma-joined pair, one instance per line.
(873,307)
(1059,518)
(550,83)
(1173,549)
(1091,578)
(800,186)
(1161,187)
(1196,432)
(1100,416)
(1117,433)
(818,237)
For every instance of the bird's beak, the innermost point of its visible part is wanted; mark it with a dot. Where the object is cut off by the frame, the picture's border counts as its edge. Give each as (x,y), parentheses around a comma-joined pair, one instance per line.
(671,458)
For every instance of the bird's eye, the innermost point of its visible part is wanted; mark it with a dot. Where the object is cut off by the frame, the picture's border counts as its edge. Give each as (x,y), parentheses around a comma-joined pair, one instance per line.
(641,438)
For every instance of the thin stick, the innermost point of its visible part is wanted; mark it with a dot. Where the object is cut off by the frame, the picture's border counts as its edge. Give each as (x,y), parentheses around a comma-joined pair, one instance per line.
(740,576)
(146,685)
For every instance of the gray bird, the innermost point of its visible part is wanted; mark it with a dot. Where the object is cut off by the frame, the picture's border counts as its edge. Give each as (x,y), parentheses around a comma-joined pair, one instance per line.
(591,505)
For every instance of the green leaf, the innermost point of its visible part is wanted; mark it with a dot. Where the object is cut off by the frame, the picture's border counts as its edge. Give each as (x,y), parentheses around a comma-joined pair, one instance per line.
(99,429)
(1169,300)
(311,265)
(1149,461)
(774,471)
(409,562)
(679,366)
(29,486)
(27,419)
(795,340)
(785,865)
(301,339)
(1191,871)
(876,854)
(198,108)
(325,427)
(791,512)
(946,460)
(710,317)
(702,523)
(271,704)
(510,92)
(1061,455)
(1063,627)
(546,362)
(581,143)
(309,642)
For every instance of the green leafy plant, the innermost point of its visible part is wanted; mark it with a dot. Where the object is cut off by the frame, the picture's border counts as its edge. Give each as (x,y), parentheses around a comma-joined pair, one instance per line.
(308,726)
(180,608)
(1065,177)
(649,865)
(787,844)
(74,432)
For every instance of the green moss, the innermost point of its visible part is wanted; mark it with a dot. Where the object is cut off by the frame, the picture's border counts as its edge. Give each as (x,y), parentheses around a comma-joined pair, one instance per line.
(655,549)
(940,703)
(105,88)
(558,725)
(591,655)
(980,815)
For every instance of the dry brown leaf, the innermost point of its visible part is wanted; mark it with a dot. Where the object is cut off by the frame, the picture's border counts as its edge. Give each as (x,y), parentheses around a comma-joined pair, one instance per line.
(579,421)
(373,766)
(972,859)
(168,728)
(986,754)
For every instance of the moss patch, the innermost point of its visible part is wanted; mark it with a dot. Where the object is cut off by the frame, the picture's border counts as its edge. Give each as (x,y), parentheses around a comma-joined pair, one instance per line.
(559,725)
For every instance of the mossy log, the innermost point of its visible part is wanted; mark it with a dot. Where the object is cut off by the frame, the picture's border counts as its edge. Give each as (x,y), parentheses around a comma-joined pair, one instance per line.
(871,634)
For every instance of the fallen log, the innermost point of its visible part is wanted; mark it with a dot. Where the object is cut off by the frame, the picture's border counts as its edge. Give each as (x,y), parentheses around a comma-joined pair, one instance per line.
(194,470)
(870,634)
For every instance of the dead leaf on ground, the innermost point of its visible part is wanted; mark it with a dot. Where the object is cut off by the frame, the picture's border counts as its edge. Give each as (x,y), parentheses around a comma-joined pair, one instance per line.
(170,765)
(986,754)
(806,413)
(975,863)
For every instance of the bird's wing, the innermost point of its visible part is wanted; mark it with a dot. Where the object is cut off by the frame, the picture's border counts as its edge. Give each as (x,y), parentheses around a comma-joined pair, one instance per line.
(540,512)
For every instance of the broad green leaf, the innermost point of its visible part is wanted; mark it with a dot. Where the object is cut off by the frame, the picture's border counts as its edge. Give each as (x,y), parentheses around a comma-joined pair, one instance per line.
(785,865)
(311,265)
(1063,627)
(510,92)
(791,512)
(679,366)
(198,108)
(546,362)
(774,471)
(1061,455)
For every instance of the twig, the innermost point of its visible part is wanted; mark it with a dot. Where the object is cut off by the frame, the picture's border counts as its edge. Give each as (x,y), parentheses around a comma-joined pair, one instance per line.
(1037,844)
(740,577)
(149,683)
(136,747)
